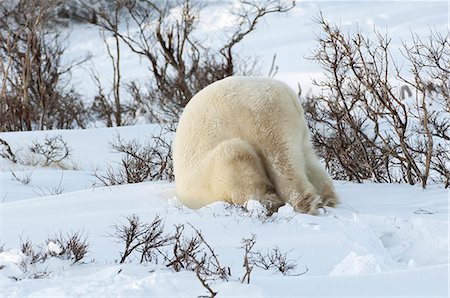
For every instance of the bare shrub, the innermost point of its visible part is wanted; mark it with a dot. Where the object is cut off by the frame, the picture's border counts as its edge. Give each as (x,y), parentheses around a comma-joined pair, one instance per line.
(187,250)
(130,234)
(2,249)
(272,259)
(149,162)
(180,63)
(70,246)
(28,266)
(202,276)
(6,151)
(108,105)
(73,246)
(363,127)
(247,245)
(24,177)
(145,240)
(30,271)
(109,110)
(195,254)
(183,250)
(28,249)
(275,259)
(153,240)
(50,191)
(35,93)
(52,151)
(148,242)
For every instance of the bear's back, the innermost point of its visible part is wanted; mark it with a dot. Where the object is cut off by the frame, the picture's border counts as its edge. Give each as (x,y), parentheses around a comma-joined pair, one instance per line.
(235,107)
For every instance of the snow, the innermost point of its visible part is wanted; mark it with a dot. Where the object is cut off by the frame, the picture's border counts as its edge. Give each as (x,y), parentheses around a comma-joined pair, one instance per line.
(383,240)
(354,264)
(54,248)
(83,143)
(290,36)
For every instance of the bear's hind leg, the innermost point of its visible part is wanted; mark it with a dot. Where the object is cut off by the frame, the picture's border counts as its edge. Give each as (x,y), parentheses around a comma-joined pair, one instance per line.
(238,175)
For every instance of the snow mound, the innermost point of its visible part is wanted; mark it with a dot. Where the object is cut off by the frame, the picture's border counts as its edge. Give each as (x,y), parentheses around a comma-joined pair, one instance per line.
(354,264)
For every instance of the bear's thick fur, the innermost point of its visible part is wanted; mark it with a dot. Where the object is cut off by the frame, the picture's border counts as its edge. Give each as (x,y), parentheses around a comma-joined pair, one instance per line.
(244,138)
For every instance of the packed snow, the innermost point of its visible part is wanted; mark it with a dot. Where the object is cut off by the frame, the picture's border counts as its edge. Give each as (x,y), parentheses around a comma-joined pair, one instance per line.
(382,240)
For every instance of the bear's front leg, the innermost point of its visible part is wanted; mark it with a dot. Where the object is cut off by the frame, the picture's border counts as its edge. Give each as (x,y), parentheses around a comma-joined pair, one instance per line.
(306,202)
(271,202)
(287,170)
(319,178)
(293,187)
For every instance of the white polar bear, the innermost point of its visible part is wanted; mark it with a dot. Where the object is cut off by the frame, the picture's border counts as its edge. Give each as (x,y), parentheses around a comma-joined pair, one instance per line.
(245,138)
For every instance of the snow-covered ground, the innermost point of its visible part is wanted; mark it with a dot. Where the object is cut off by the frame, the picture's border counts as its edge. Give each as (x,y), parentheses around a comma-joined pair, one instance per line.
(383,240)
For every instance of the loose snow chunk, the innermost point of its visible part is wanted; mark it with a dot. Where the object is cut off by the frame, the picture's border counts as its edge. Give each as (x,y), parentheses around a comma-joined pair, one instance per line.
(254,206)
(54,248)
(217,206)
(286,209)
(13,256)
(10,262)
(354,264)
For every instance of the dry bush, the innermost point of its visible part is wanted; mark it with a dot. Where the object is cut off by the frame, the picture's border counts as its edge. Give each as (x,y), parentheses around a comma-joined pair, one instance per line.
(272,259)
(108,106)
(145,240)
(130,234)
(193,253)
(148,243)
(50,191)
(34,92)
(363,126)
(180,62)
(73,246)
(186,249)
(183,250)
(275,259)
(6,151)
(153,240)
(52,151)
(247,245)
(28,249)
(2,249)
(149,162)
(190,252)
(23,178)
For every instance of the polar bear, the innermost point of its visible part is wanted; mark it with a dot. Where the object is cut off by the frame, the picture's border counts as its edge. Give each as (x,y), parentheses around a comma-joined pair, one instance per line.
(245,138)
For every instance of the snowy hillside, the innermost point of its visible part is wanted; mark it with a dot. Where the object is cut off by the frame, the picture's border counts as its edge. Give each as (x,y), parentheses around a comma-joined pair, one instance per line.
(290,36)
(383,240)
